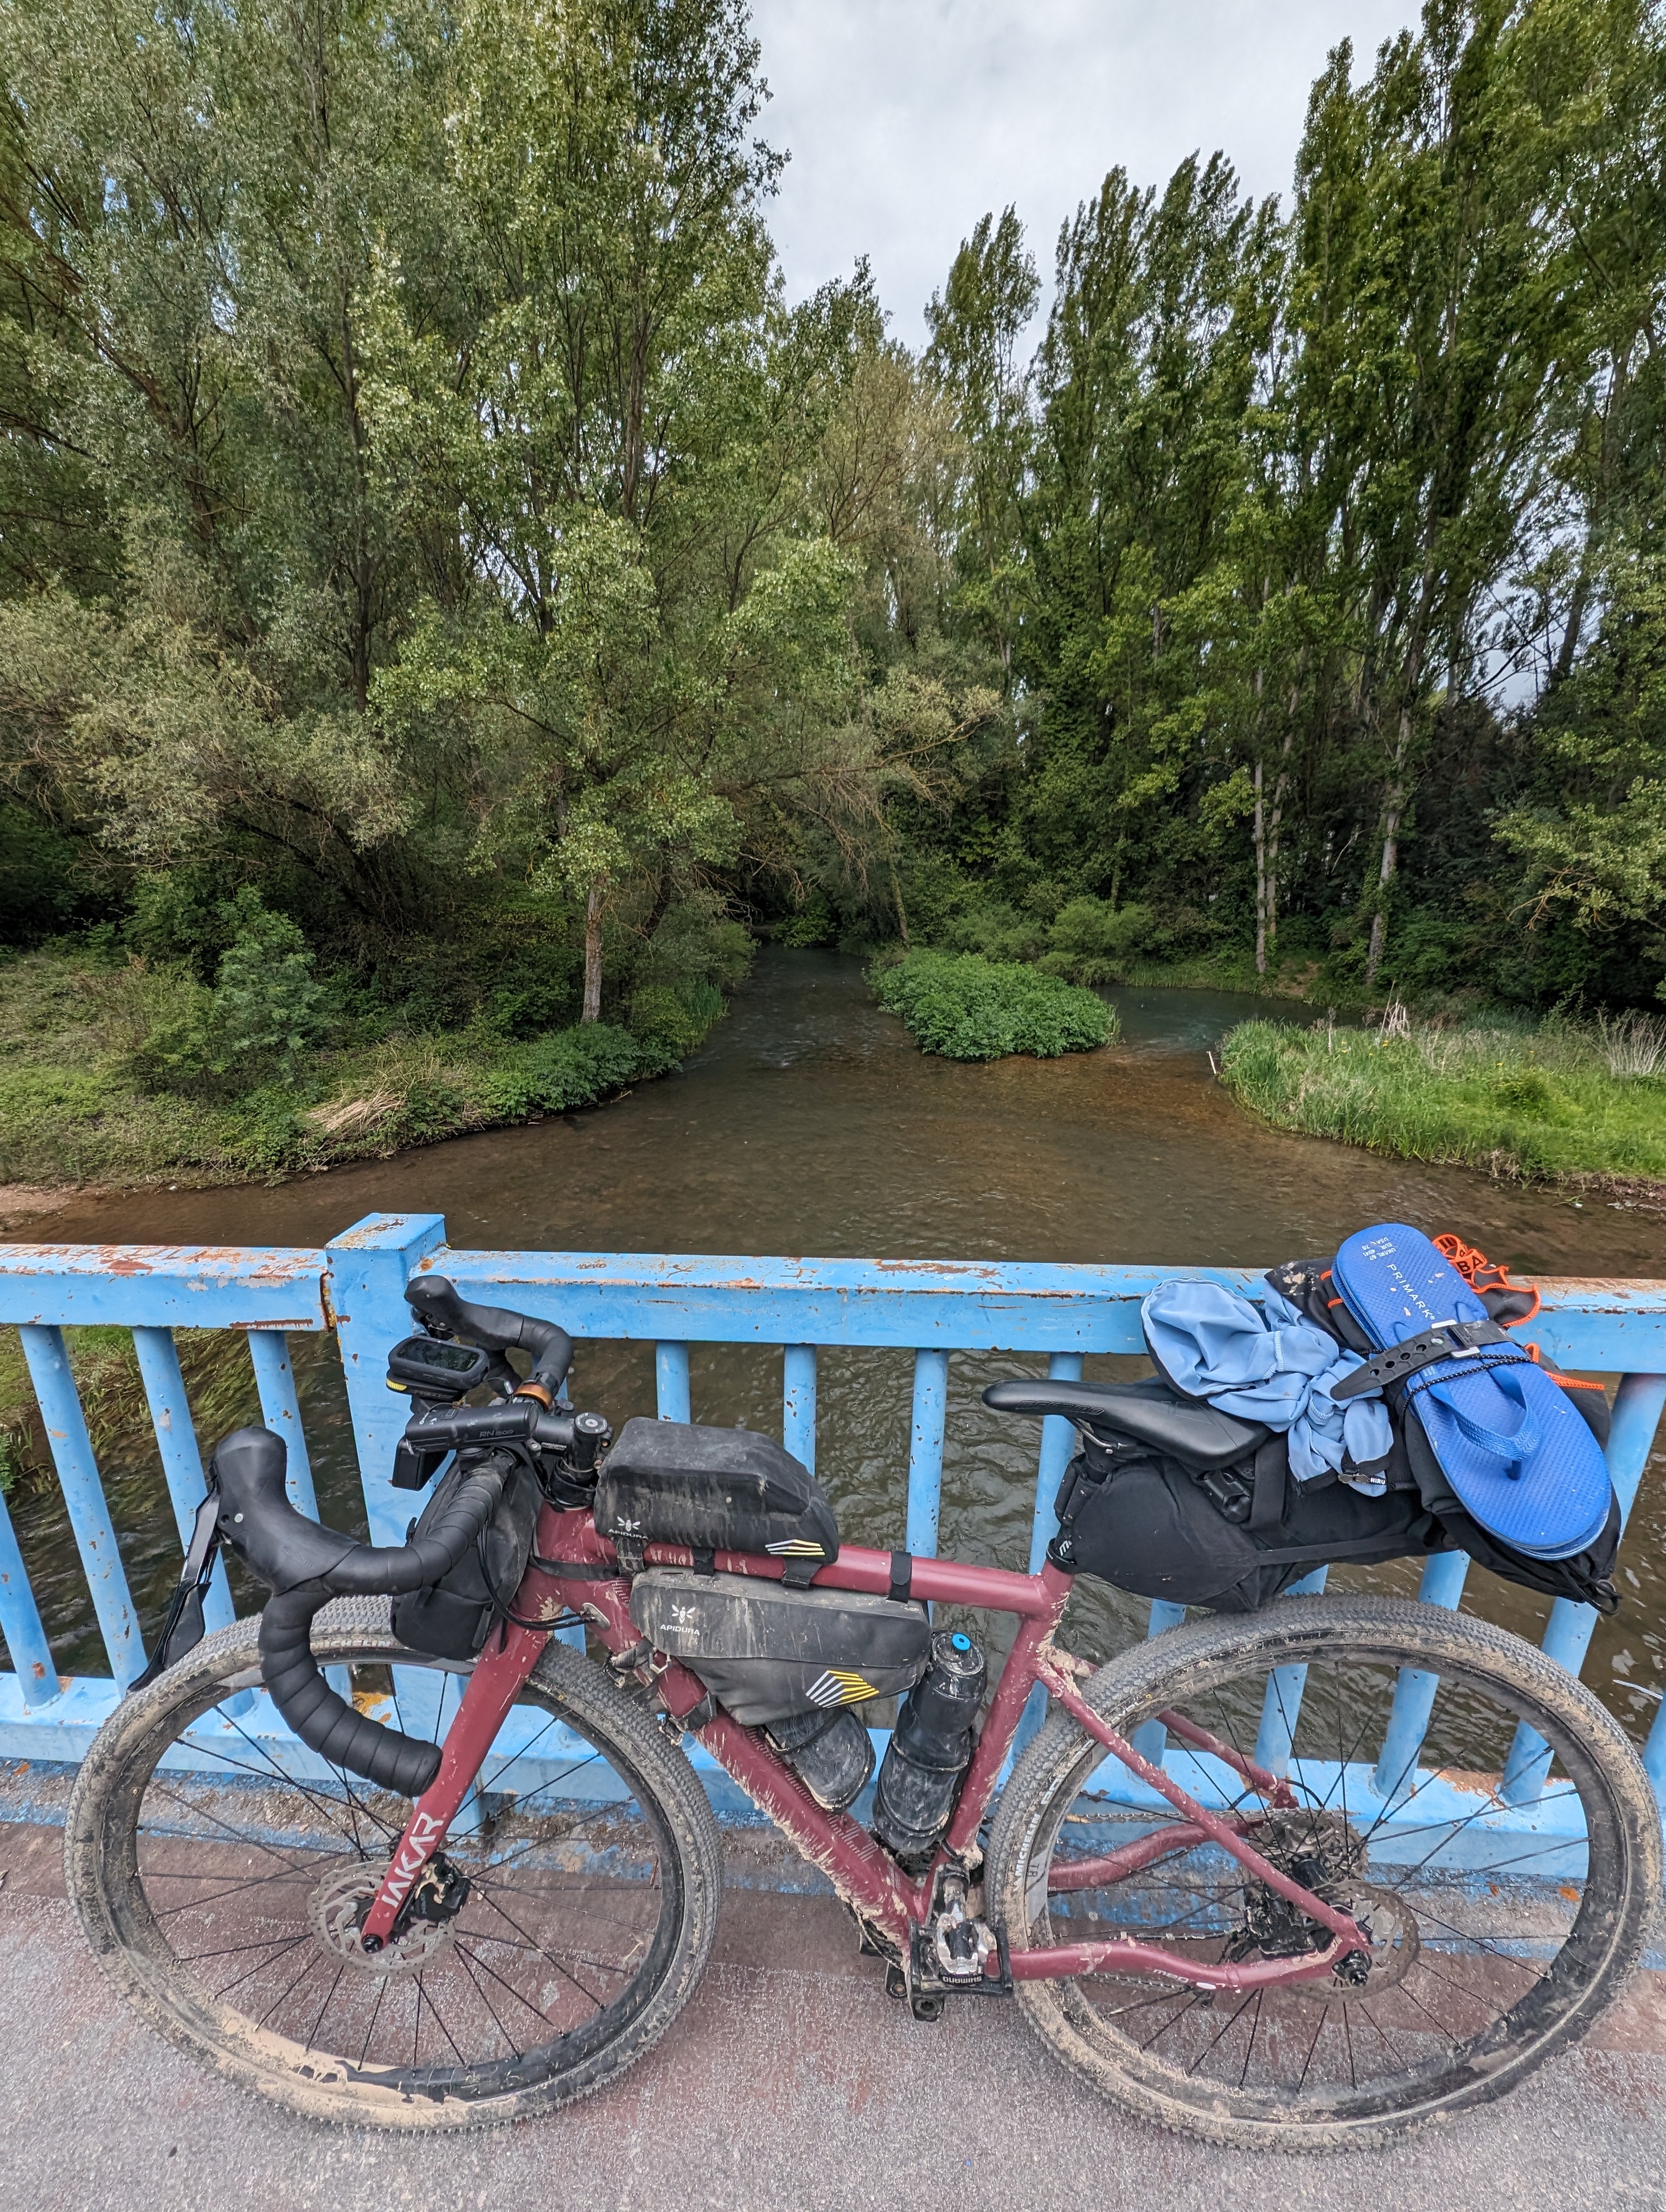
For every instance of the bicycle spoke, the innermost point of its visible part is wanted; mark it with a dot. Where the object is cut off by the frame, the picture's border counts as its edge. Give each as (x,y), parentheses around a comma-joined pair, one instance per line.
(329,1998)
(1301,2083)
(1221,2034)
(439,2019)
(375,2015)
(488,1899)
(1434,1979)
(470,1966)
(1192,1999)
(308,1965)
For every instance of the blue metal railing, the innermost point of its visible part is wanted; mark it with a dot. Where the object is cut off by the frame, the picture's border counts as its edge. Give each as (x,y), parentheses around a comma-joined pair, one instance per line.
(355,1287)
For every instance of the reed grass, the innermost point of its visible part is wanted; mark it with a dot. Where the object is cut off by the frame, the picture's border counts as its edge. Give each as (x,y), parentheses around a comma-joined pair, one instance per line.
(1561,1101)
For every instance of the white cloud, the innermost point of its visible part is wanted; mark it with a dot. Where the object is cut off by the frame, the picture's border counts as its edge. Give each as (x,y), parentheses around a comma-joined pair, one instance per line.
(906,119)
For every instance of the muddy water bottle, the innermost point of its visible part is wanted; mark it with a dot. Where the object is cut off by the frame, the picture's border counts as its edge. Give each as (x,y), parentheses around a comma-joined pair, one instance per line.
(930,1750)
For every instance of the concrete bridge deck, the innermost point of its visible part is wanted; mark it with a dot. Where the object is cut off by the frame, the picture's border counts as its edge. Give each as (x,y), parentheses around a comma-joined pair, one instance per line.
(790,2084)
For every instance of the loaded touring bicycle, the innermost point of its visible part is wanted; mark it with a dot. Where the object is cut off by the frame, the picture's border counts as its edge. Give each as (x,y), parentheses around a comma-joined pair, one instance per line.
(1301,1874)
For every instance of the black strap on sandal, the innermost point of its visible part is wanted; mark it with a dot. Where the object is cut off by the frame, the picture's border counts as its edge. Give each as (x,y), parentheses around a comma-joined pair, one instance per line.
(1447,1339)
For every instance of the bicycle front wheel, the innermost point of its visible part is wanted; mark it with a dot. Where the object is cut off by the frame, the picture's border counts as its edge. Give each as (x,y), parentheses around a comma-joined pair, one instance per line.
(1503,1854)
(220,1871)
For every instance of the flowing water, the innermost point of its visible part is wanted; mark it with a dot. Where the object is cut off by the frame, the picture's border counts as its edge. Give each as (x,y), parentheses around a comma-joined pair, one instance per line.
(811,1125)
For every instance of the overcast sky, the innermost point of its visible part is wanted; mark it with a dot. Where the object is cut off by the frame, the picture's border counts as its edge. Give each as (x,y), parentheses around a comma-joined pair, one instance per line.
(906,119)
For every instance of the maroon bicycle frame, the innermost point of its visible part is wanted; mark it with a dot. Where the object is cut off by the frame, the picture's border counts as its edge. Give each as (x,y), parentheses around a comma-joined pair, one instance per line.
(862,1872)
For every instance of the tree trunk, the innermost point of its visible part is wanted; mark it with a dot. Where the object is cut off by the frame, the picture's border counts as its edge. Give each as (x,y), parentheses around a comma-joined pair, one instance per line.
(1261,878)
(1393,799)
(1379,920)
(592,954)
(1393,806)
(1595,511)
(1280,787)
(657,912)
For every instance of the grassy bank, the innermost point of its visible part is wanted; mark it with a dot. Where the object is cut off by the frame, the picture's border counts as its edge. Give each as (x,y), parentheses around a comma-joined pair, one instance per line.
(964,1007)
(1563,1102)
(82,1102)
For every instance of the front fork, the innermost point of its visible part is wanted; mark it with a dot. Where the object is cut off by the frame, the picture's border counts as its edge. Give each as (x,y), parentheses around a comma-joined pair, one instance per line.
(499,1677)
(498,1680)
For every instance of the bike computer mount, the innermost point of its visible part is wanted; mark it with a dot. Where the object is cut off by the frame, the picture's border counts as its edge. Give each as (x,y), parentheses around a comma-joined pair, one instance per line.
(439,1372)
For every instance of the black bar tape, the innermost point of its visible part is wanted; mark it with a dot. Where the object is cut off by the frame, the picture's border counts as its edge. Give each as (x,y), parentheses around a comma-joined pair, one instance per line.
(306,1566)
(324,1721)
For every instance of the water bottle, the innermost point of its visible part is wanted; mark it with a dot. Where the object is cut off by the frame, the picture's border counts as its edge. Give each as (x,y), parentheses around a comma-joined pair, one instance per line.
(931,1748)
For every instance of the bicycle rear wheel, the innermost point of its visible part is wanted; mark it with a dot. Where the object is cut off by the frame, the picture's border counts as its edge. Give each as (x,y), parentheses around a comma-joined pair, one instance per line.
(1502,1924)
(219,1870)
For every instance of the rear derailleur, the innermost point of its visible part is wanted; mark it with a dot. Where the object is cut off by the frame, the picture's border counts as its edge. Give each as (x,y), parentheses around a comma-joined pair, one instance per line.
(1323,1853)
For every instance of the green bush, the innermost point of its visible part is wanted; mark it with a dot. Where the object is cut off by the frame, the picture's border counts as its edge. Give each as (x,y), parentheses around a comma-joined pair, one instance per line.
(38,892)
(569,1068)
(40,1096)
(815,923)
(181,916)
(995,931)
(1091,941)
(969,1008)
(264,1011)
(676,1018)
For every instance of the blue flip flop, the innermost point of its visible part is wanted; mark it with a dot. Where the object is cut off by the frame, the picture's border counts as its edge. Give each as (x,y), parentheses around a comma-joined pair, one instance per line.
(1520,1460)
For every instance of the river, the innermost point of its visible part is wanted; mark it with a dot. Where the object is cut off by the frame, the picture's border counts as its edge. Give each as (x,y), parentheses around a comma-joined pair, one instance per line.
(809,1124)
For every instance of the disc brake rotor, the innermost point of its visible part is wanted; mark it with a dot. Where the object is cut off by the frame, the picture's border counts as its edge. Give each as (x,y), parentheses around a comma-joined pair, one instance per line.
(337,1911)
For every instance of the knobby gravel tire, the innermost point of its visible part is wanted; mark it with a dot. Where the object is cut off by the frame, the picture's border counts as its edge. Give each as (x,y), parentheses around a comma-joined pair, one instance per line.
(1619,1903)
(105,1885)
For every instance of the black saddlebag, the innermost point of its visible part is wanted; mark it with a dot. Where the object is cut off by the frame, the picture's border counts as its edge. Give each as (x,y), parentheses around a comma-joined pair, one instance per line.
(715,1490)
(1229,1538)
(768,1653)
(451,1619)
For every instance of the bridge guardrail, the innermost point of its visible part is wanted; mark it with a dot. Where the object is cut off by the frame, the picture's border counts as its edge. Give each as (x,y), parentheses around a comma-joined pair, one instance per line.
(354,1285)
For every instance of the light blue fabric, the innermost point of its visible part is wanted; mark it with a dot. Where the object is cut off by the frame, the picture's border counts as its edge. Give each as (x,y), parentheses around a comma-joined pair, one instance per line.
(1268,1363)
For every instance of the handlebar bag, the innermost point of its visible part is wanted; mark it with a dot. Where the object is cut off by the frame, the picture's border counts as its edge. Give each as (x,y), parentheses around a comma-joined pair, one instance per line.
(453,1618)
(715,1490)
(770,1653)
